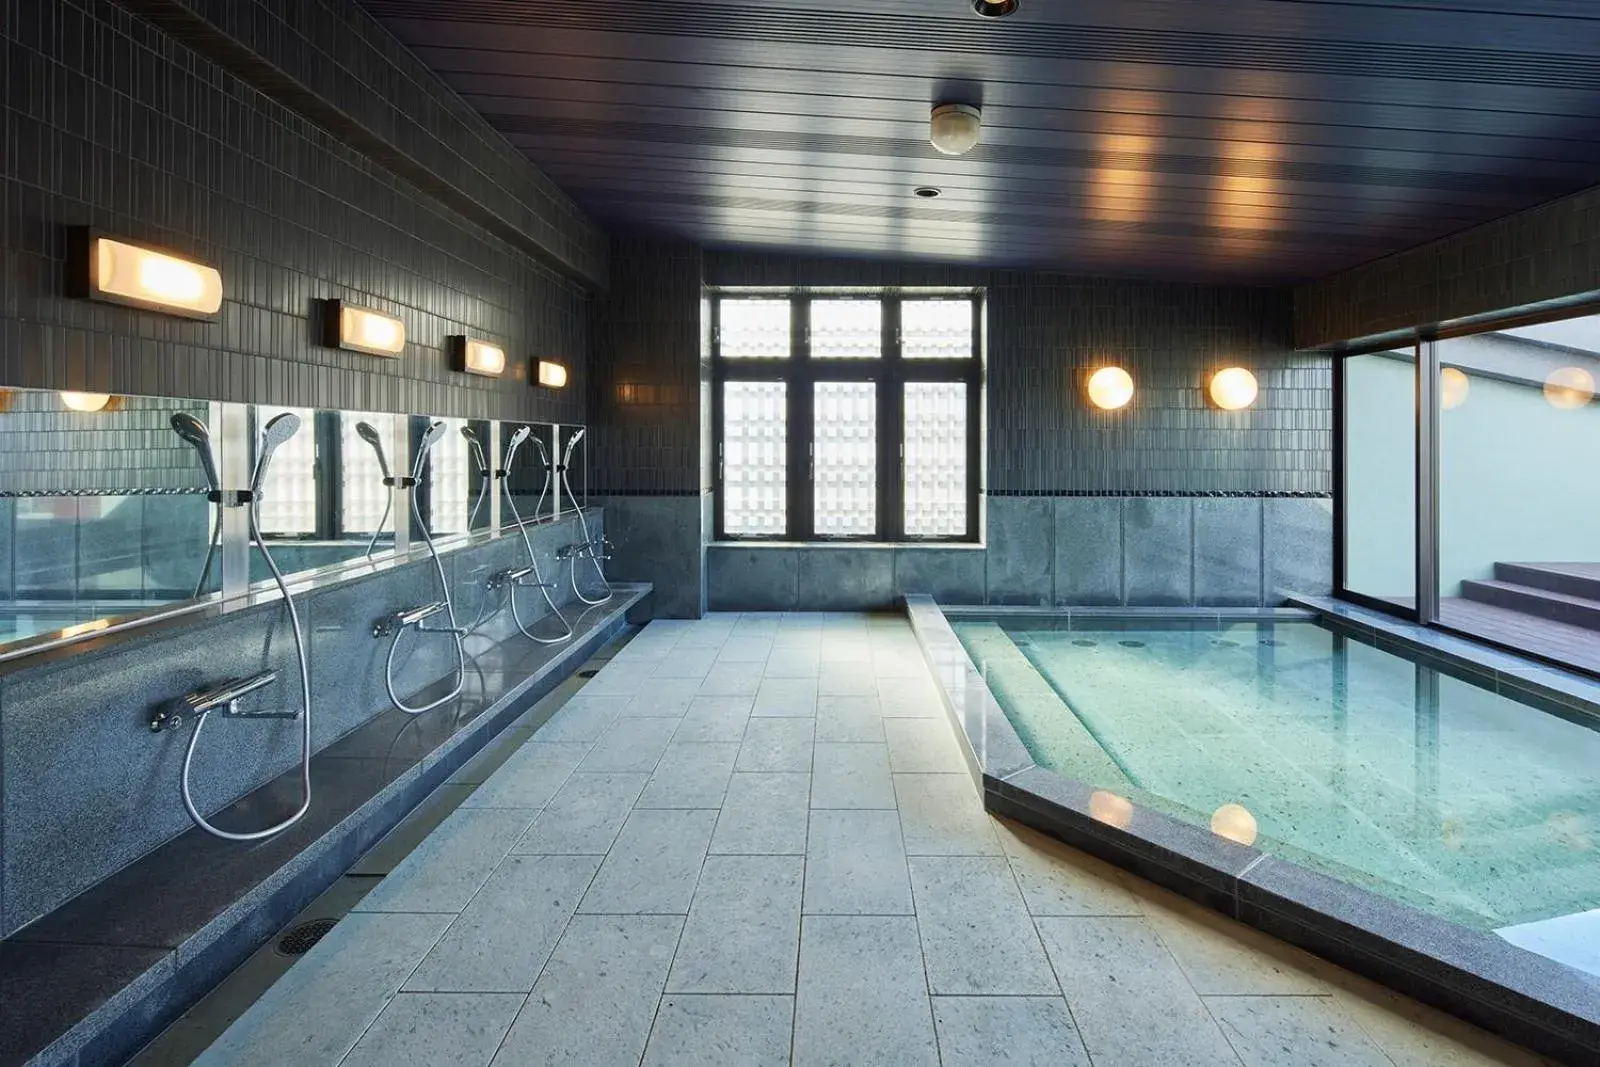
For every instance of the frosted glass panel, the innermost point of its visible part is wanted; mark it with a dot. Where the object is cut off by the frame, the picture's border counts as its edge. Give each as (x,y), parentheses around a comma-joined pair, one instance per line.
(289,495)
(845,459)
(936,459)
(754,457)
(362,494)
(755,329)
(936,329)
(846,329)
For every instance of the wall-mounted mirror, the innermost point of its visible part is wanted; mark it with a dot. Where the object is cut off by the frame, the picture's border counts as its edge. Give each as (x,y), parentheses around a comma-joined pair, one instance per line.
(103,509)
(525,456)
(574,462)
(324,498)
(456,479)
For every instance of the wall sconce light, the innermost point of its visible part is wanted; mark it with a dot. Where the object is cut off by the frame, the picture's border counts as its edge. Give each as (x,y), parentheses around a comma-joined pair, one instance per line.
(1569,388)
(363,330)
(90,402)
(117,272)
(552,375)
(1233,389)
(471,356)
(1110,388)
(1454,385)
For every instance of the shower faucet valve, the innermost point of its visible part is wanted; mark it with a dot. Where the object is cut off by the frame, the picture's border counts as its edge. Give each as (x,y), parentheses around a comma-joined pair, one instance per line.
(225,696)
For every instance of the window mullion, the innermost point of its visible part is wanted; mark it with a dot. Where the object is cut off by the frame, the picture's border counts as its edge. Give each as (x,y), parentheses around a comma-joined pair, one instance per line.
(891,434)
(799,375)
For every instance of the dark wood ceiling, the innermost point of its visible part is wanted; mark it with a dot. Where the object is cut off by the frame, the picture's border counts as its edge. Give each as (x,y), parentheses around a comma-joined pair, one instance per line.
(1259,140)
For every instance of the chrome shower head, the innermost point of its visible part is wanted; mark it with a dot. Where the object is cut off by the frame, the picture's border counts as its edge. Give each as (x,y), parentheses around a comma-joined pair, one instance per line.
(195,433)
(278,430)
(518,438)
(477,451)
(572,442)
(369,433)
(430,437)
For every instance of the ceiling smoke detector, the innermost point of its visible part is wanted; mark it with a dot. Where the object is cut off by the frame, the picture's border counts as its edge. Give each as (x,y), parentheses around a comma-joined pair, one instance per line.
(954,129)
(994,9)
(927,192)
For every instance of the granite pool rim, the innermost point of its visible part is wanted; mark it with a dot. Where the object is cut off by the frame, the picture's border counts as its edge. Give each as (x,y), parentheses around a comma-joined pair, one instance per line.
(1475,975)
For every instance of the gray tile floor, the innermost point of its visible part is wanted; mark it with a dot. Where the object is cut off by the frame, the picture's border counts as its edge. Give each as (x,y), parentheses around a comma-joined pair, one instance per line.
(751,840)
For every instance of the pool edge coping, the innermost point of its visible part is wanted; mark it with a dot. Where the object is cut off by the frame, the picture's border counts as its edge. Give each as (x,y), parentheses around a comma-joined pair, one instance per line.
(1477,976)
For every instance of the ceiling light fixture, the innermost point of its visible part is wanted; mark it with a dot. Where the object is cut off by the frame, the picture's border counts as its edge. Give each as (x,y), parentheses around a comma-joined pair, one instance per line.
(955,129)
(87,402)
(994,9)
(472,356)
(928,192)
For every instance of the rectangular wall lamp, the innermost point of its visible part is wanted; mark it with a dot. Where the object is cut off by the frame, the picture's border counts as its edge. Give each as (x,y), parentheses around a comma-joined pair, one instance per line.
(362,330)
(471,356)
(552,375)
(118,272)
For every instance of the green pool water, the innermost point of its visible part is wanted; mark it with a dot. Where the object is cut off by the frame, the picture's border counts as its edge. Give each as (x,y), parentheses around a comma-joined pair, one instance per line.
(1348,759)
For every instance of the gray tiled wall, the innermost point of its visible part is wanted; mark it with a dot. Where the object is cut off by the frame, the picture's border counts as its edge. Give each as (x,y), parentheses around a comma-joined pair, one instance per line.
(1550,252)
(130,131)
(1061,551)
(86,769)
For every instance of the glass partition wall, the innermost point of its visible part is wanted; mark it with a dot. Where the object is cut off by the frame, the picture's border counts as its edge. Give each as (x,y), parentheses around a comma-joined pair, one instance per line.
(1469,499)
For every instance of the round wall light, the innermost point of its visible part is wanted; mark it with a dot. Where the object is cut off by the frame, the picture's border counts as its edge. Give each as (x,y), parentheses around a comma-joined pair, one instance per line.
(1568,388)
(1234,822)
(1454,385)
(1110,388)
(955,129)
(1233,389)
(86,401)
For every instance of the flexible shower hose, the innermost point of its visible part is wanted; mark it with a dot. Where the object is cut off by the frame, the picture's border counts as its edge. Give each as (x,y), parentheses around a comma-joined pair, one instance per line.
(305,714)
(590,546)
(533,561)
(450,609)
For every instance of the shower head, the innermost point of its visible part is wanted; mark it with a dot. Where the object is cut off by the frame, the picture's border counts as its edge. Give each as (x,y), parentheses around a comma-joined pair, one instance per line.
(430,437)
(572,442)
(279,429)
(194,431)
(518,438)
(369,433)
(477,451)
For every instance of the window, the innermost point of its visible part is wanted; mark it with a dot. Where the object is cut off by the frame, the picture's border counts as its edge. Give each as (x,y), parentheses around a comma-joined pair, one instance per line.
(849,417)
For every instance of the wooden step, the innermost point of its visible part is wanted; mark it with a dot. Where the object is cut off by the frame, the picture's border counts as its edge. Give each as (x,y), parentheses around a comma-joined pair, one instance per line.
(1546,604)
(1573,579)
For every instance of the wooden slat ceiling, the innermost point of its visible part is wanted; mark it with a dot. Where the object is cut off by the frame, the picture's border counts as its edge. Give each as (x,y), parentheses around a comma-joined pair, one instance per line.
(1254,140)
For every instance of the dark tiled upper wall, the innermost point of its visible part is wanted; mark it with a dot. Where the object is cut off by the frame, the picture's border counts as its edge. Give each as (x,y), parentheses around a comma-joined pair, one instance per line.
(376,94)
(110,122)
(646,393)
(1551,252)
(1046,331)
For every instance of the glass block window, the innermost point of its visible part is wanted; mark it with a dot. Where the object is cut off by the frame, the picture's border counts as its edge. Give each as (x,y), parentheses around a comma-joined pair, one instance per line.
(755,458)
(936,329)
(449,481)
(845,459)
(846,329)
(289,494)
(362,494)
(755,329)
(936,459)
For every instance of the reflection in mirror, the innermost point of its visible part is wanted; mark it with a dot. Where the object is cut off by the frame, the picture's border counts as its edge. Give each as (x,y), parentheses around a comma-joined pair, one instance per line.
(454,477)
(366,503)
(574,473)
(525,457)
(103,508)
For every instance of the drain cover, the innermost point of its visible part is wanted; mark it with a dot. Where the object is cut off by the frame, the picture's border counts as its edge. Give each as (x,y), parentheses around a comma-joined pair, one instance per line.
(1085,643)
(587,674)
(1131,644)
(1219,643)
(301,939)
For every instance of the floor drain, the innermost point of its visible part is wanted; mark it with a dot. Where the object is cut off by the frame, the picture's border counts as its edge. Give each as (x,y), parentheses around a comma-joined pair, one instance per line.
(587,674)
(1225,644)
(1267,641)
(1131,644)
(303,938)
(1084,643)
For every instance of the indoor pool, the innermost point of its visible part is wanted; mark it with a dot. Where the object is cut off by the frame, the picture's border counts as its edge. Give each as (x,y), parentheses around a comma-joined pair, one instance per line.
(1326,751)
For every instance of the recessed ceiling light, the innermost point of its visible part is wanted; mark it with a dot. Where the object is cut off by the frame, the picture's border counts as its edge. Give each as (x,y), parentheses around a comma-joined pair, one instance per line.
(928,192)
(993,9)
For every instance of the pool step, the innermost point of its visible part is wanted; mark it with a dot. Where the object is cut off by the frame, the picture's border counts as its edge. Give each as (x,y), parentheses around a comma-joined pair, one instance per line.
(1546,604)
(1573,579)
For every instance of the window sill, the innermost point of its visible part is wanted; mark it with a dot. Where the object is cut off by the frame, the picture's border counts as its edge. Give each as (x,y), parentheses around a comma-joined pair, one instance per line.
(943,546)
